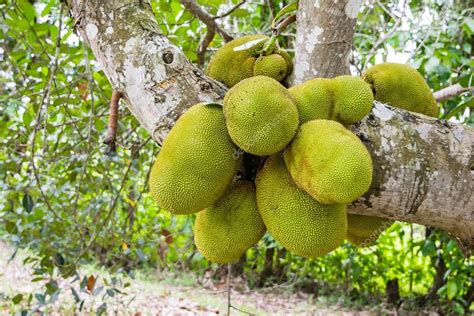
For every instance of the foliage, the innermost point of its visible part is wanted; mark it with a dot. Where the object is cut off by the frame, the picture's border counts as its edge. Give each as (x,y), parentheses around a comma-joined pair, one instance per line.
(67,198)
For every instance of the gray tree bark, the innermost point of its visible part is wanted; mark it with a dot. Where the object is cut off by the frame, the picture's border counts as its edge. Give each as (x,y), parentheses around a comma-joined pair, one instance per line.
(324,38)
(422,166)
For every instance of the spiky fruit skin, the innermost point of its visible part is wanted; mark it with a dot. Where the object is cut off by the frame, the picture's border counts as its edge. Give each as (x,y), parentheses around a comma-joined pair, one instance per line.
(261,115)
(196,163)
(229,66)
(289,61)
(363,231)
(313,99)
(273,66)
(329,162)
(296,220)
(230,226)
(353,99)
(401,86)
(345,99)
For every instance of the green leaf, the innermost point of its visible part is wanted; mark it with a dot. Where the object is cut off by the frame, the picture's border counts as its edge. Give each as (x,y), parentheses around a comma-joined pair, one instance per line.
(17,299)
(458,109)
(467,80)
(292,7)
(27,9)
(27,203)
(452,289)
(47,9)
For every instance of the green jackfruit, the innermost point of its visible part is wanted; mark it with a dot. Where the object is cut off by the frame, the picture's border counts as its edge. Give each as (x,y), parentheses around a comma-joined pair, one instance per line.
(239,59)
(329,162)
(345,99)
(296,220)
(226,229)
(313,99)
(230,66)
(289,61)
(363,231)
(196,163)
(401,86)
(261,115)
(273,66)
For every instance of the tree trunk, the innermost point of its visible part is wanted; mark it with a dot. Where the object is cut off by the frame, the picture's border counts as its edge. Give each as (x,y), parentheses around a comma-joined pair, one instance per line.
(422,166)
(324,38)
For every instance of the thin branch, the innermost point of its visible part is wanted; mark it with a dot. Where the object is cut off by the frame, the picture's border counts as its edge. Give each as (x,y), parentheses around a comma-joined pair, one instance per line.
(271,7)
(44,102)
(380,42)
(202,49)
(451,91)
(207,19)
(113,120)
(284,24)
(238,5)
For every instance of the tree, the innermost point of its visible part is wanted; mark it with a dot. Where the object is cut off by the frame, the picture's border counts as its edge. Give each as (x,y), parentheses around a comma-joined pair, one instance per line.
(414,156)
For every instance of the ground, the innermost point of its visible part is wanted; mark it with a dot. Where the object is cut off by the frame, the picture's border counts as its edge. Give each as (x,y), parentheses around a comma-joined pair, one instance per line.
(154,293)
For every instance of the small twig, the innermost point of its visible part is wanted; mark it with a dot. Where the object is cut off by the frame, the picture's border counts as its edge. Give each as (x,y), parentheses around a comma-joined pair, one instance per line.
(113,120)
(207,19)
(202,49)
(44,103)
(238,5)
(271,6)
(451,91)
(284,24)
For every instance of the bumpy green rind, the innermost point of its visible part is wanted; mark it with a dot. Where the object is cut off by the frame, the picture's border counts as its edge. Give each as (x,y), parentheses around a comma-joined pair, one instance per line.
(197,162)
(353,99)
(273,66)
(401,86)
(289,61)
(329,162)
(313,99)
(229,66)
(363,231)
(345,99)
(261,115)
(230,226)
(296,220)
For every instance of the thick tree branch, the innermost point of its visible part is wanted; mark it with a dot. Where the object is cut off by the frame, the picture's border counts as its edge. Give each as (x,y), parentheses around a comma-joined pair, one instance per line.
(451,91)
(422,166)
(324,38)
(154,76)
(206,18)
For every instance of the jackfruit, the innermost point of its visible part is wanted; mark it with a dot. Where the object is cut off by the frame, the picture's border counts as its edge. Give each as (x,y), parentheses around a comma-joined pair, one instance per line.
(273,66)
(227,228)
(230,66)
(345,99)
(287,58)
(353,99)
(313,99)
(329,162)
(239,59)
(196,163)
(261,115)
(296,220)
(401,86)
(363,231)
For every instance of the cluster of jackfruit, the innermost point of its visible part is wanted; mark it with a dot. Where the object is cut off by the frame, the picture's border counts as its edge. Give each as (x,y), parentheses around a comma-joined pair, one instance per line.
(244,57)
(315,165)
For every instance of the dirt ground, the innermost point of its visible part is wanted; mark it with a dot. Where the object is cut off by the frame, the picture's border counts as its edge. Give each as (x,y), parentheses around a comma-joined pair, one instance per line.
(147,295)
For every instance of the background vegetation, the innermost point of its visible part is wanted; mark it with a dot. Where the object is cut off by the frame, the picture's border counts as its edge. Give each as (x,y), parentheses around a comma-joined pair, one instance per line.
(69,199)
